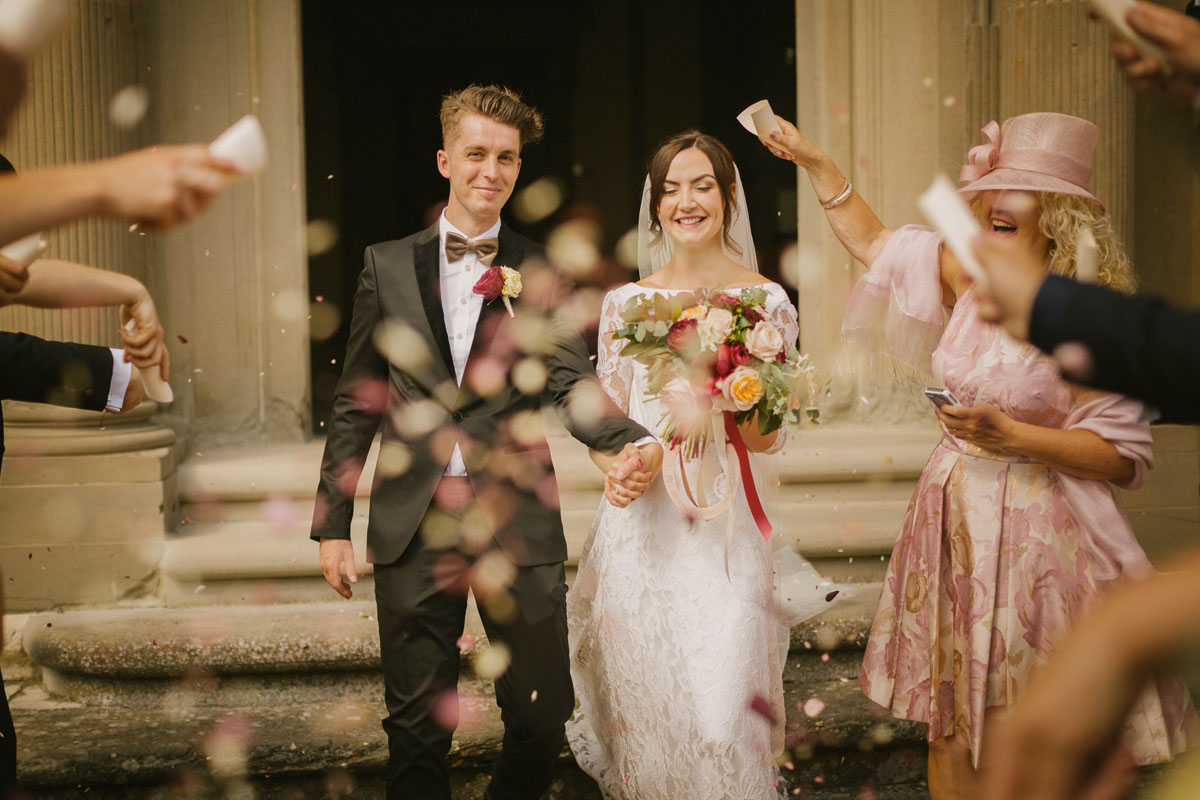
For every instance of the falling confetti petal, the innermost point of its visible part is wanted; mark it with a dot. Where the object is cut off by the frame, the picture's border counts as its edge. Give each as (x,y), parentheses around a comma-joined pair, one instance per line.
(321,235)
(762,706)
(540,199)
(493,662)
(128,107)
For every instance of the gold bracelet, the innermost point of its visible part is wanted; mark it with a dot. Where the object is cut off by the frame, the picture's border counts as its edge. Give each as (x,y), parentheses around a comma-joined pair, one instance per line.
(841,197)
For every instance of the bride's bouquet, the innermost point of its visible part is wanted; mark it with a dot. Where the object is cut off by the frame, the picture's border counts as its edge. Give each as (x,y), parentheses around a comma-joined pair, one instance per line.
(716,351)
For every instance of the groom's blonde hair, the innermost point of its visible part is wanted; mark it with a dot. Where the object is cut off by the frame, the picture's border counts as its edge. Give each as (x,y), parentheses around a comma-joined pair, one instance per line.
(494,102)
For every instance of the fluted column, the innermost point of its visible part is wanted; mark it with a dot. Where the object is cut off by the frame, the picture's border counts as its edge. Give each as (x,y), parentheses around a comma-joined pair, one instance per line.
(1051,57)
(65,119)
(90,494)
(882,89)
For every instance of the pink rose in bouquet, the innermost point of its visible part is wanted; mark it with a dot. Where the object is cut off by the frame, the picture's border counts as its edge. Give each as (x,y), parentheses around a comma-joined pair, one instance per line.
(764,341)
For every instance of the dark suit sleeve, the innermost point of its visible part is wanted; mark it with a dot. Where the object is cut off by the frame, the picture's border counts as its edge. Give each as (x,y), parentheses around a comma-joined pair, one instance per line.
(1140,347)
(570,370)
(352,425)
(60,373)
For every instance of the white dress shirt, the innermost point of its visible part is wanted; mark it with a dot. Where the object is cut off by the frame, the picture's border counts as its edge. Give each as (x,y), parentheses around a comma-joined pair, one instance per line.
(119,384)
(461,308)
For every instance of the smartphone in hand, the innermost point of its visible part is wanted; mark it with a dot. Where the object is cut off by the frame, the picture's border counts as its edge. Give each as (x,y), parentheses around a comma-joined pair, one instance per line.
(941,397)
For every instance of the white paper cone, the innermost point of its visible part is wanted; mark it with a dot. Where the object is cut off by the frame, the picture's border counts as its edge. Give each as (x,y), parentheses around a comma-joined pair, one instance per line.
(27,25)
(243,143)
(157,389)
(1087,257)
(24,250)
(759,119)
(949,214)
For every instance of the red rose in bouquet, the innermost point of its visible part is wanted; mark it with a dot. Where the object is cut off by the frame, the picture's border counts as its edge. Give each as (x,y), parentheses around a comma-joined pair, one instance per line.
(752,314)
(682,335)
(730,357)
(725,301)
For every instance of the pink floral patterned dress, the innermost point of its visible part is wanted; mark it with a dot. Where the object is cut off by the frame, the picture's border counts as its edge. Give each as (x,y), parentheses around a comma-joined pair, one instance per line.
(998,554)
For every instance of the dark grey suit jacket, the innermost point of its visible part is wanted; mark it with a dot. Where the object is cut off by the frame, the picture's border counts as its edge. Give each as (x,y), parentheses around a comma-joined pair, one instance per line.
(426,412)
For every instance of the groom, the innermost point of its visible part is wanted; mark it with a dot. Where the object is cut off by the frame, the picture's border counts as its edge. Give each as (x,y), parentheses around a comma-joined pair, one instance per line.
(464,491)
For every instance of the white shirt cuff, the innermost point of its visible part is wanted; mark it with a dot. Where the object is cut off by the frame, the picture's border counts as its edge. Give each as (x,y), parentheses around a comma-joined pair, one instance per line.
(647,440)
(122,372)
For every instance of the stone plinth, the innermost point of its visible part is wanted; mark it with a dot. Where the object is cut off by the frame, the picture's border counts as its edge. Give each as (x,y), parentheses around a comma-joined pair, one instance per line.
(84,502)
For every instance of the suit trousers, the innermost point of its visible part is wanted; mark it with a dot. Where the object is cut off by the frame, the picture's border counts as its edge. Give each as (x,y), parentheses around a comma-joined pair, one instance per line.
(419,628)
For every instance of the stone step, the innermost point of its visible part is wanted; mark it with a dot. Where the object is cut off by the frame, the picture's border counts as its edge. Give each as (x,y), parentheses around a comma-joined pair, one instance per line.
(287,696)
(108,646)
(246,511)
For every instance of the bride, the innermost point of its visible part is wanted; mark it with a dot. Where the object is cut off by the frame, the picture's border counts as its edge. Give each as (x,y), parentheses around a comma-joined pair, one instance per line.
(676,664)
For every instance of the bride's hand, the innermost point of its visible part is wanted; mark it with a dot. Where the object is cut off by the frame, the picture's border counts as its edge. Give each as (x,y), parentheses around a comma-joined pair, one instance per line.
(632,473)
(792,145)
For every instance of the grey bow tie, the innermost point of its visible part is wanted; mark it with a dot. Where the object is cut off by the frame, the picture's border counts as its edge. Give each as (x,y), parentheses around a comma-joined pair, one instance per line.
(458,246)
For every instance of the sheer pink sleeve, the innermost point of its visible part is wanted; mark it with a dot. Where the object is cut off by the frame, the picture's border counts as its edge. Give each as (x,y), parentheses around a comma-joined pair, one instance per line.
(896,308)
(615,373)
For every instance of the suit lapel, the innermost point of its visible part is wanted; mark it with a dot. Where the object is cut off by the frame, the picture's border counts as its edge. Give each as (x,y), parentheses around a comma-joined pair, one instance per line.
(426,267)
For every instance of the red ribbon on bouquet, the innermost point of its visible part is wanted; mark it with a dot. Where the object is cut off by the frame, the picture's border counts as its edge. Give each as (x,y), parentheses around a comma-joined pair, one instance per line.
(743,456)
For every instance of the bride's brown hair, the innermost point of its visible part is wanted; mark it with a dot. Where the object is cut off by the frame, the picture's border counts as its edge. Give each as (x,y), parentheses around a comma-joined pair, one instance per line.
(723,170)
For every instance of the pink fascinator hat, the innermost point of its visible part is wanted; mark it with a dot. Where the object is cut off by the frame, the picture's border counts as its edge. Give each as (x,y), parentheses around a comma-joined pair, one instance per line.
(1042,152)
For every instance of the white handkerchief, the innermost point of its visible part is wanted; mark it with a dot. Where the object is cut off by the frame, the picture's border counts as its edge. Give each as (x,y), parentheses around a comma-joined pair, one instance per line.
(949,214)
(243,143)
(24,250)
(759,119)
(1113,12)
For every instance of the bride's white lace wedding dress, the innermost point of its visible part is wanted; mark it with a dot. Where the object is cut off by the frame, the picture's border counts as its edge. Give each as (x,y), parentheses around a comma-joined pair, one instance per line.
(676,666)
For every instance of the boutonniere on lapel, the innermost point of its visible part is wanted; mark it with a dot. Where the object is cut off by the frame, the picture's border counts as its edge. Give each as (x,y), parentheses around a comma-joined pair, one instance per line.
(502,282)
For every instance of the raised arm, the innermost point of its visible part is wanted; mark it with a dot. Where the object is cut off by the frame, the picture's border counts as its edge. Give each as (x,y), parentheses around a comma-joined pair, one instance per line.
(852,220)
(158,187)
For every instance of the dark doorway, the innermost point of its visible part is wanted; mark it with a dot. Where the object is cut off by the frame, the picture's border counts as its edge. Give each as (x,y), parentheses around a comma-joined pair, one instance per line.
(611,77)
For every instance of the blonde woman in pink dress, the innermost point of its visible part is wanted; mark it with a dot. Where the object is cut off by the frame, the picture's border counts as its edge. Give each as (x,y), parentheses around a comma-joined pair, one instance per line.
(1013,529)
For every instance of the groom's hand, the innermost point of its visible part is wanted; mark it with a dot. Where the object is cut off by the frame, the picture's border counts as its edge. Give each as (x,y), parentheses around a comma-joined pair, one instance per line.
(336,553)
(632,473)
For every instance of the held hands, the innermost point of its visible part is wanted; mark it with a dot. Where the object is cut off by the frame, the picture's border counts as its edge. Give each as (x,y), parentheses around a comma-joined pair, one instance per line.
(160,187)
(985,426)
(632,473)
(144,344)
(1178,35)
(335,555)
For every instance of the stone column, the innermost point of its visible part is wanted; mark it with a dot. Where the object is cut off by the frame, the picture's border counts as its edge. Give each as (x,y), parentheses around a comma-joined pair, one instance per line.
(234,282)
(84,497)
(1050,57)
(897,93)
(881,88)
